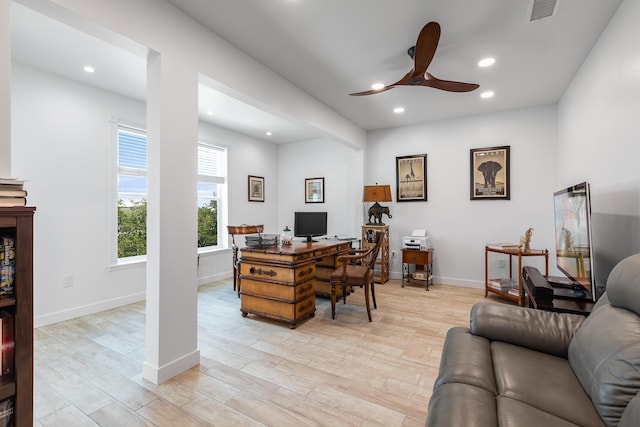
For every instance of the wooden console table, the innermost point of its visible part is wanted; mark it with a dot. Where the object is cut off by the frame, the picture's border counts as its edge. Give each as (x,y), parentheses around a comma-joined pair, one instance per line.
(279,282)
(423,260)
(520,298)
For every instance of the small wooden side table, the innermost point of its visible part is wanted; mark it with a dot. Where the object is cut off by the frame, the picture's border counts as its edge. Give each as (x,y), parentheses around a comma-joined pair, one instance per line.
(512,252)
(423,261)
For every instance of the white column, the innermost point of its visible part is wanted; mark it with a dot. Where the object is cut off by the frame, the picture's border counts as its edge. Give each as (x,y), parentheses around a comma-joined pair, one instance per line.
(5,90)
(172,132)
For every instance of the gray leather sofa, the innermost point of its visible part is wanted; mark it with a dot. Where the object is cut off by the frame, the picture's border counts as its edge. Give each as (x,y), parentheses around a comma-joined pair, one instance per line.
(523,367)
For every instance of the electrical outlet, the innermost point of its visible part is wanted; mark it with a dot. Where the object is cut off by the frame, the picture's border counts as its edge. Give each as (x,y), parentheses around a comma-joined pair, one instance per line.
(67,281)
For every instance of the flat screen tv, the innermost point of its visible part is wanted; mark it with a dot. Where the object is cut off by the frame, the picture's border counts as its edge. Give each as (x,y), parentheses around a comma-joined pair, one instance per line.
(310,225)
(574,247)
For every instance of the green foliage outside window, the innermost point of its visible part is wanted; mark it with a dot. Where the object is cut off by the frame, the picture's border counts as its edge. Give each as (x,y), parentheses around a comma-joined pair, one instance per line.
(208,224)
(132,227)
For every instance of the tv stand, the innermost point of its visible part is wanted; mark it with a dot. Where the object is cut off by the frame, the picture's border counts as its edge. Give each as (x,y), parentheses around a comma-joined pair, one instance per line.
(561,300)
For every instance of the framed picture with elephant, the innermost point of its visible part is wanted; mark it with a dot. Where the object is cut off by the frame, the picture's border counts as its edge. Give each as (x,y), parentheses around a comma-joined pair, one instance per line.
(411,178)
(490,179)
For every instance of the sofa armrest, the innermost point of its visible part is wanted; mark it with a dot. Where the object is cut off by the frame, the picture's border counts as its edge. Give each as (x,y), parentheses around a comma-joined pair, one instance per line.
(527,327)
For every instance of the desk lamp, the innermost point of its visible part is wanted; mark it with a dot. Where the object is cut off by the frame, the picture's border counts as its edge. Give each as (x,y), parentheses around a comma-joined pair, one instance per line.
(377,193)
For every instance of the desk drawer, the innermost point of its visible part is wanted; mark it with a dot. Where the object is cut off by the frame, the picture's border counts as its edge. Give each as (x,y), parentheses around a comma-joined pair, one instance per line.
(280,310)
(280,291)
(416,257)
(296,274)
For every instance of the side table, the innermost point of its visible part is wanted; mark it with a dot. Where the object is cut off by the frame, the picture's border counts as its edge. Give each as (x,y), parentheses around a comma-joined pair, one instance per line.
(423,261)
(512,252)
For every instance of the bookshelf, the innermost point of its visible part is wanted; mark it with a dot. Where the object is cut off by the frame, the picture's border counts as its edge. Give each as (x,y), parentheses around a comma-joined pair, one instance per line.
(17,222)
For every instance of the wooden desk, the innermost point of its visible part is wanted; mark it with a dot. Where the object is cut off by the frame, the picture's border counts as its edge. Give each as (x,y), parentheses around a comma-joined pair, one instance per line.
(520,298)
(279,282)
(423,260)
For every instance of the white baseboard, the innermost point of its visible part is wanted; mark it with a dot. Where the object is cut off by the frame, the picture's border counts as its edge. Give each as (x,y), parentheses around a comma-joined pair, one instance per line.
(84,310)
(440,280)
(215,277)
(158,375)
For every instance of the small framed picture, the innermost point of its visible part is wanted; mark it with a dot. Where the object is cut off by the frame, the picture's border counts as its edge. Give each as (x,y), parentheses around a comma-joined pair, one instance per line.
(256,188)
(411,178)
(314,190)
(490,173)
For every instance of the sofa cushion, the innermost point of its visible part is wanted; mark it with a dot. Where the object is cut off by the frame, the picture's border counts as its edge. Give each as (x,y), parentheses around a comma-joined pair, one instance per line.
(543,381)
(466,359)
(461,405)
(631,414)
(539,330)
(605,356)
(623,284)
(514,413)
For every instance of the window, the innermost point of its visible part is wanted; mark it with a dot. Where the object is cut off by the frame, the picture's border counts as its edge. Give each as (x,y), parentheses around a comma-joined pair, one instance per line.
(212,170)
(132,192)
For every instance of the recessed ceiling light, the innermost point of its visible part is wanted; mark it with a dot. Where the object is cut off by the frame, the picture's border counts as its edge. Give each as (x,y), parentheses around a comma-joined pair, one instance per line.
(398,110)
(487,94)
(377,86)
(269,134)
(89,69)
(486,62)
(209,113)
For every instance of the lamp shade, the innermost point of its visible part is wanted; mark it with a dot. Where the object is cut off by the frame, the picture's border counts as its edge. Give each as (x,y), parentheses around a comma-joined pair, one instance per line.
(376,193)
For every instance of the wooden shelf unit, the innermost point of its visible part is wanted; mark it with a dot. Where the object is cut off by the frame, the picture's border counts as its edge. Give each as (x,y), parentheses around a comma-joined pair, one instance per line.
(382,263)
(17,222)
(520,298)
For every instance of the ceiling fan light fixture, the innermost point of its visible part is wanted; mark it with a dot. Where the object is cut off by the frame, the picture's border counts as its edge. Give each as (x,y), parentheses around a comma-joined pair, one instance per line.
(486,62)
(377,86)
(487,94)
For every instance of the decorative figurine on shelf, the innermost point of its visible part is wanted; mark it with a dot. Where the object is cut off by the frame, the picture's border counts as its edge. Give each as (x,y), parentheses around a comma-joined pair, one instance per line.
(525,240)
(287,236)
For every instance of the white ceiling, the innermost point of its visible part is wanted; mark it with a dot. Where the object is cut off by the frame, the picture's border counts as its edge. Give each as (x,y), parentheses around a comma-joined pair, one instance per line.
(330,48)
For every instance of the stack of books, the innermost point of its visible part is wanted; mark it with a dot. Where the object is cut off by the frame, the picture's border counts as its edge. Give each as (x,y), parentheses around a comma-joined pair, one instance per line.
(503,284)
(12,192)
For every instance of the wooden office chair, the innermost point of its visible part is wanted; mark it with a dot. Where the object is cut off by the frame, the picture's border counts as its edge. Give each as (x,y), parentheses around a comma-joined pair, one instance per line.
(357,270)
(240,229)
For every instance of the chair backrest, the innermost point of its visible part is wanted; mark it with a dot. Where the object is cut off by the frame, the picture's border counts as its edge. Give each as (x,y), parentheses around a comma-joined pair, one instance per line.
(373,255)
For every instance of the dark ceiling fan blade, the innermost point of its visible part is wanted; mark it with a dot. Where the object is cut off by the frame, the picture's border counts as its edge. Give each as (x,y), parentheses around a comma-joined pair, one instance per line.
(372,91)
(448,85)
(405,80)
(422,54)
(425,48)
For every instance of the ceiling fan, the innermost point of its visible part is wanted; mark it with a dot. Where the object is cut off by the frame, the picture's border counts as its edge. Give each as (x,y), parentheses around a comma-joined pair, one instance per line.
(422,54)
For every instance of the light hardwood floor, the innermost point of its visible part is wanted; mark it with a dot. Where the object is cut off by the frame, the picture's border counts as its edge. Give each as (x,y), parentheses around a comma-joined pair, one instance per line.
(254,371)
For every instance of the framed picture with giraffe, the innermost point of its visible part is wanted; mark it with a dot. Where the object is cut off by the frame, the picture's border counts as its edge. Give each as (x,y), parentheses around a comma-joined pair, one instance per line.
(411,178)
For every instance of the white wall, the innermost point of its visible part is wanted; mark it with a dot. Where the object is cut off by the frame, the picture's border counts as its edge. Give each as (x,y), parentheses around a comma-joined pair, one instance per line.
(67,158)
(598,138)
(342,170)
(459,227)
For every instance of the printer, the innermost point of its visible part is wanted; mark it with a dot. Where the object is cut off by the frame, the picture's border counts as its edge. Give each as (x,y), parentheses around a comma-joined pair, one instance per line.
(417,240)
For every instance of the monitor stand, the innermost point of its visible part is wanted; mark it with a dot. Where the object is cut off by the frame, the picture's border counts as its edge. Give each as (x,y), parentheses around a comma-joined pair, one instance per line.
(310,240)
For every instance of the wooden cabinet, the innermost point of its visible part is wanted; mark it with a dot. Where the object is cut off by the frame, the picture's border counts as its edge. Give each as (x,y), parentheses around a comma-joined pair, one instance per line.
(382,263)
(280,282)
(17,223)
(517,293)
(423,261)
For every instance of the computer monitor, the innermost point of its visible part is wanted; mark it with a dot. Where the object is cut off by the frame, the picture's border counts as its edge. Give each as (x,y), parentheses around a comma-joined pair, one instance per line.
(310,225)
